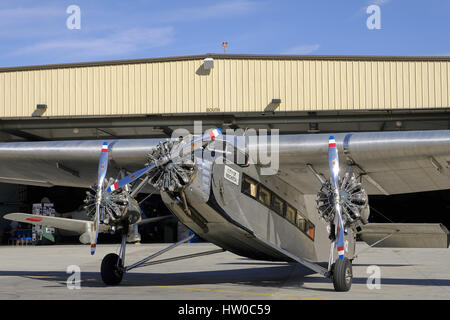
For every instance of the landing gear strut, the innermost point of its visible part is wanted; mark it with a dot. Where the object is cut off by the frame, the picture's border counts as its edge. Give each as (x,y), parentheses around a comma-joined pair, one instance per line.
(113,265)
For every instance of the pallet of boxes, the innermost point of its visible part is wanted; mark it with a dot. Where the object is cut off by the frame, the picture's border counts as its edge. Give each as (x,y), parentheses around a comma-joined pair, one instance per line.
(43,235)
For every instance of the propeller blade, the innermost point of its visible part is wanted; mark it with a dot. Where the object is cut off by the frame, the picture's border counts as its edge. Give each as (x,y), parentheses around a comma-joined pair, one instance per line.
(340,232)
(333,162)
(209,136)
(102,168)
(130,178)
(103,164)
(94,231)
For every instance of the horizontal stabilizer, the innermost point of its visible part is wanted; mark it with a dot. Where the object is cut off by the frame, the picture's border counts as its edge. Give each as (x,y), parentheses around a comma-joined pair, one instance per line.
(80,226)
(405,235)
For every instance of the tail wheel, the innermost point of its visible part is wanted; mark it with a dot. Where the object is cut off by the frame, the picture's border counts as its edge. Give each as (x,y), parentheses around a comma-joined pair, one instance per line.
(342,275)
(111,270)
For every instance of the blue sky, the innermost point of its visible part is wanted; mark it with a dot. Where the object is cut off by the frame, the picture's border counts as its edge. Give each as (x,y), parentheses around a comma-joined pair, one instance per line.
(35,32)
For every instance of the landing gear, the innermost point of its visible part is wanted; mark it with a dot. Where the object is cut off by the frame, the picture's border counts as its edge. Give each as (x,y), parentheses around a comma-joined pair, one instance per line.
(342,275)
(112,269)
(113,265)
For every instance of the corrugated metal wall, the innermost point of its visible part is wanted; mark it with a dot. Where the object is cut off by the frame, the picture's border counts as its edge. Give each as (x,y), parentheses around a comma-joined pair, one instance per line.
(234,85)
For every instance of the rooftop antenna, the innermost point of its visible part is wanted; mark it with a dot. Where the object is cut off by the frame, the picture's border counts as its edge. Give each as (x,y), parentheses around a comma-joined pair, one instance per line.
(224,45)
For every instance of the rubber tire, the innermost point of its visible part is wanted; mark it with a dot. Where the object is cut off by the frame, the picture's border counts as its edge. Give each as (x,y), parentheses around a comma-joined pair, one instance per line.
(111,274)
(341,269)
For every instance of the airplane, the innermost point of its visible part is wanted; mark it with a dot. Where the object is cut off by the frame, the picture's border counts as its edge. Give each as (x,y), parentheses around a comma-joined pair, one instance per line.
(81,213)
(223,188)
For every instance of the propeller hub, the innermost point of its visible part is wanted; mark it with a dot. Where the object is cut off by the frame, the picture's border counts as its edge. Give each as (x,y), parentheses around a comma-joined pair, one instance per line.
(352,198)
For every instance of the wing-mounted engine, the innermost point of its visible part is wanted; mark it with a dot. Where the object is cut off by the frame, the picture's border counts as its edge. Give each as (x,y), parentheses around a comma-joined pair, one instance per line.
(343,203)
(170,168)
(352,197)
(116,207)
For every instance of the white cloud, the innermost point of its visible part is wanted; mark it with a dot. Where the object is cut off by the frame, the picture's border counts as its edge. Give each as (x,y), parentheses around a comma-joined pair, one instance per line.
(27,23)
(379,2)
(302,49)
(115,44)
(221,10)
(16,15)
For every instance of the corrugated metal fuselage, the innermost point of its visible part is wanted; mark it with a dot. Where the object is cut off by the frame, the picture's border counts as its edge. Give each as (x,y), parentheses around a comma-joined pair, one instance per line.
(217,209)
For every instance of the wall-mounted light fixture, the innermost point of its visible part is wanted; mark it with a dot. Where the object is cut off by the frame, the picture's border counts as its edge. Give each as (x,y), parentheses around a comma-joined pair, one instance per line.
(208,63)
(276,101)
(39,111)
(272,106)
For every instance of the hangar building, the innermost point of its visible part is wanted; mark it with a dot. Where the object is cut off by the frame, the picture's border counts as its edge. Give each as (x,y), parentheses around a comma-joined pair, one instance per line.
(152,97)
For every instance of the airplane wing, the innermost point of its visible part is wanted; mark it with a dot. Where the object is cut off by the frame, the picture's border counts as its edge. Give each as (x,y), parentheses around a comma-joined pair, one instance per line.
(389,162)
(79,226)
(68,163)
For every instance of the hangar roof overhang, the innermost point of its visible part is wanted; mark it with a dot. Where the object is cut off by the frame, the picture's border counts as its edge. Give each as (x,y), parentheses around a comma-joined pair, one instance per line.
(155,126)
(231,57)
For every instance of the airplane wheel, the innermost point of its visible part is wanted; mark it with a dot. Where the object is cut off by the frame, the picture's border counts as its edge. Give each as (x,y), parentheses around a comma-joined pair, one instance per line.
(111,273)
(342,275)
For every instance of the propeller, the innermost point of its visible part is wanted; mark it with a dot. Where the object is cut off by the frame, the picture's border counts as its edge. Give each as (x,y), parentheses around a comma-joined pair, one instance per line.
(164,159)
(102,168)
(333,162)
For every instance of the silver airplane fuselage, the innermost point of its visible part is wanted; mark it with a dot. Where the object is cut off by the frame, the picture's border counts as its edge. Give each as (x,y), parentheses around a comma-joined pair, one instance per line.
(236,208)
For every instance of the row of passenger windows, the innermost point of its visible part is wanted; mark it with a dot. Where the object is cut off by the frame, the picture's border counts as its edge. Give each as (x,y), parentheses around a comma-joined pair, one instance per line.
(272,201)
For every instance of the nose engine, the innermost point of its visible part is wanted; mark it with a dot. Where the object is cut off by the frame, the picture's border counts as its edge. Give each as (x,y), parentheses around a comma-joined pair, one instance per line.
(175,165)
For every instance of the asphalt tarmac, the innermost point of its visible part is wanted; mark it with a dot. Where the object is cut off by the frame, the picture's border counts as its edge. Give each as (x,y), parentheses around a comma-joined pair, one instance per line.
(41,272)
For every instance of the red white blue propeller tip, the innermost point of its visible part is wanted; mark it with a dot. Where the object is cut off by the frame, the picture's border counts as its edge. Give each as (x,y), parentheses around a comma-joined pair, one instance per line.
(332,142)
(215,133)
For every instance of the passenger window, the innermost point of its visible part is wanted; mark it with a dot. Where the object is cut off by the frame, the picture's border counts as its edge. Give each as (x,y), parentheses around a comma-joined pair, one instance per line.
(301,223)
(310,231)
(290,213)
(249,187)
(278,205)
(264,196)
